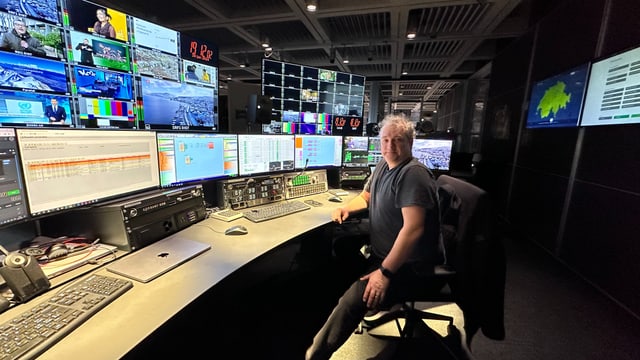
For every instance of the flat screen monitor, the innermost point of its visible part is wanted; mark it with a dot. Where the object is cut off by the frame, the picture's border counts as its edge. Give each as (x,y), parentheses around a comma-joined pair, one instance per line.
(178,106)
(29,73)
(188,157)
(375,150)
(19,108)
(201,74)
(105,53)
(151,62)
(106,113)
(96,19)
(198,50)
(13,203)
(557,100)
(260,154)
(68,168)
(313,151)
(326,94)
(94,82)
(46,10)
(612,94)
(355,151)
(154,36)
(43,39)
(434,153)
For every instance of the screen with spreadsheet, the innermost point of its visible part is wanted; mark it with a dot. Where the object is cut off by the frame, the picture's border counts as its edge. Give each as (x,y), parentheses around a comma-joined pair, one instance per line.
(67,168)
(313,151)
(188,157)
(259,154)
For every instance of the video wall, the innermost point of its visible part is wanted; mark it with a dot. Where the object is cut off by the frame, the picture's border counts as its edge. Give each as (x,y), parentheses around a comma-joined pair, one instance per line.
(309,100)
(74,63)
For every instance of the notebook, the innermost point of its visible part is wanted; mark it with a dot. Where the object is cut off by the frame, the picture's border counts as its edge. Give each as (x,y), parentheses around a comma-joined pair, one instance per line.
(158,258)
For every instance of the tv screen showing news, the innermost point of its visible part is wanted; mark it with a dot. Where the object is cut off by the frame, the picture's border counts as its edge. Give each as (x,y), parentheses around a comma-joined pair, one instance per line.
(434,153)
(31,37)
(178,106)
(96,19)
(312,151)
(68,168)
(201,74)
(30,73)
(612,94)
(259,154)
(13,203)
(33,109)
(103,52)
(186,157)
(155,63)
(355,151)
(557,100)
(94,82)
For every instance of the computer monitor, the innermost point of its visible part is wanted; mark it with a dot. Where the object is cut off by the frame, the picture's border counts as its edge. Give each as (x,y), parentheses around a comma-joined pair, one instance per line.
(189,157)
(68,168)
(434,153)
(13,204)
(612,92)
(375,151)
(266,153)
(313,151)
(355,151)
(557,100)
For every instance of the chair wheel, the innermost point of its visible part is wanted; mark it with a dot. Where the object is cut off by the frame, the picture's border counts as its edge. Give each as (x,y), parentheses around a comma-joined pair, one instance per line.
(359,329)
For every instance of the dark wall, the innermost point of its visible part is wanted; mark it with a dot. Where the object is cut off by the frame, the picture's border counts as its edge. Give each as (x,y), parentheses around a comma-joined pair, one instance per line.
(575,192)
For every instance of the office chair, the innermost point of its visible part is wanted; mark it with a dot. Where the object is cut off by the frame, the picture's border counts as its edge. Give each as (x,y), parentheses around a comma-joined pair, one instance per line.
(474,270)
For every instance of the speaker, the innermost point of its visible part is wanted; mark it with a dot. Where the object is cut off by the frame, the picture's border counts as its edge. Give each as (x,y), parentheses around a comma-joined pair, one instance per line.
(24,276)
(263,112)
(372,129)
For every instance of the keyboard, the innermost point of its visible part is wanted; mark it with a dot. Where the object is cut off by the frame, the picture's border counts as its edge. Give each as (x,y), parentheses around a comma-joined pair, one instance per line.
(226,214)
(275,210)
(31,333)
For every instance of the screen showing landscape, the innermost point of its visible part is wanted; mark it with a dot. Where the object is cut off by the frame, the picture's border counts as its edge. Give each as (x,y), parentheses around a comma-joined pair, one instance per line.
(434,153)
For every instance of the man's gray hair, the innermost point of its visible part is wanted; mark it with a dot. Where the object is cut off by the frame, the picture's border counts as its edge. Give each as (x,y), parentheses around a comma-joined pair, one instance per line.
(399,121)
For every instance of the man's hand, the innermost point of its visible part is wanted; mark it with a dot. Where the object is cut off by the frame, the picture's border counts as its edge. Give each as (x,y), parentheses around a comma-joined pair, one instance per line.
(339,215)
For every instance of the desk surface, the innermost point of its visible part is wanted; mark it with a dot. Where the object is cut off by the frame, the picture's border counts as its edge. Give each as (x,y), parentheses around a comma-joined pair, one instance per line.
(121,325)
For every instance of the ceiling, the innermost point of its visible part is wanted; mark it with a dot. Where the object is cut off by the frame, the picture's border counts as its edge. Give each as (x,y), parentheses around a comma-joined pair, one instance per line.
(455,39)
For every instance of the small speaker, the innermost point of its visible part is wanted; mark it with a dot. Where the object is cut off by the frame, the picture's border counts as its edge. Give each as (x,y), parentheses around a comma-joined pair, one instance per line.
(24,276)
(372,129)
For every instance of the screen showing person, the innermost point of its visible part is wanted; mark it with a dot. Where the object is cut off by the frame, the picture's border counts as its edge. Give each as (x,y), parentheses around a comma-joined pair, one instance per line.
(97,20)
(199,73)
(105,53)
(55,113)
(31,37)
(22,72)
(155,63)
(19,108)
(46,10)
(102,83)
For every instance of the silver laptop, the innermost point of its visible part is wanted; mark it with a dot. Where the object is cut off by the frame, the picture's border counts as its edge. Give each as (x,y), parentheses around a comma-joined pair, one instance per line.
(158,258)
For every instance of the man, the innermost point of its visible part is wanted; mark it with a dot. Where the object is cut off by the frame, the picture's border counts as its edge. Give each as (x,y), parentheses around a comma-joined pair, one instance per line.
(55,113)
(86,52)
(401,196)
(19,39)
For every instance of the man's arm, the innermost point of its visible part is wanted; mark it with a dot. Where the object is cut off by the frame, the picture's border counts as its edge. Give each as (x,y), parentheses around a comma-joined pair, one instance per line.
(359,203)
(409,235)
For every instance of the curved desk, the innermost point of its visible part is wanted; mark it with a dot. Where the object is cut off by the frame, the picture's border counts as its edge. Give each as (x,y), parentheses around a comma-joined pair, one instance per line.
(126,322)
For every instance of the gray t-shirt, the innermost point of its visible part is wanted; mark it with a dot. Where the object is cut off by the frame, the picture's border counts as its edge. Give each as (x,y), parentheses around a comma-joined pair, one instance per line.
(408,184)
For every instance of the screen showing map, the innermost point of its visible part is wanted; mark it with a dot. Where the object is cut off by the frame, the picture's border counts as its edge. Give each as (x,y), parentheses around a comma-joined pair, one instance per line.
(613,92)
(557,100)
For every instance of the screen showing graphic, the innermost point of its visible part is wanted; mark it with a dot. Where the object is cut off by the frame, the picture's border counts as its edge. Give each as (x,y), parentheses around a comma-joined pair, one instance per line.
(13,204)
(613,93)
(259,154)
(355,151)
(317,151)
(105,113)
(155,36)
(94,82)
(557,101)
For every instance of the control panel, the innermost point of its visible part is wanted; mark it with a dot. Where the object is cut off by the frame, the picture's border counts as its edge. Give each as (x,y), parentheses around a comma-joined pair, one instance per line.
(354,177)
(305,183)
(247,192)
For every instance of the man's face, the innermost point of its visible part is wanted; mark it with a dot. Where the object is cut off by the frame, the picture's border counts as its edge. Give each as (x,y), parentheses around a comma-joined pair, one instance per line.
(395,145)
(54,102)
(20,27)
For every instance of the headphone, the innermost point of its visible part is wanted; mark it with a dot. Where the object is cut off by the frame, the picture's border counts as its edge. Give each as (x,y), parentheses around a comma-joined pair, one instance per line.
(52,251)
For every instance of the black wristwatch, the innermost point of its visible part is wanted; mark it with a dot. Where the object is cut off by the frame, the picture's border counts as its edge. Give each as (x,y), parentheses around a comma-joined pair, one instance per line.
(386,272)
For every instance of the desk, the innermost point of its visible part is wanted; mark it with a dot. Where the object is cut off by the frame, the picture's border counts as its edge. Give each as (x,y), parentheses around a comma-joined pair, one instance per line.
(121,325)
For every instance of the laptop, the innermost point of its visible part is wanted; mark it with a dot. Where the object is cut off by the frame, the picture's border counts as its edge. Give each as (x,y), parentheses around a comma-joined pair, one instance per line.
(158,258)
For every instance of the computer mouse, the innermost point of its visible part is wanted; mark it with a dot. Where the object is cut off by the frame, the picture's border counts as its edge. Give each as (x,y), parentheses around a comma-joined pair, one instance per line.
(335,198)
(236,230)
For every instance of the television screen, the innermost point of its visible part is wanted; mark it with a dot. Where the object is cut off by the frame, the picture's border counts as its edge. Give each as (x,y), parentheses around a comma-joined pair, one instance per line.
(154,36)
(199,51)
(557,100)
(157,64)
(355,151)
(328,94)
(95,82)
(178,106)
(29,108)
(313,151)
(30,73)
(194,157)
(259,154)
(46,10)
(13,204)
(31,37)
(434,153)
(375,150)
(612,94)
(105,113)
(96,51)
(96,19)
(68,168)
(196,73)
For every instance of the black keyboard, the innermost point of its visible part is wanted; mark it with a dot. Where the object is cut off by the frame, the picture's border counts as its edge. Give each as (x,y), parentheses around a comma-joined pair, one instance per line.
(31,333)
(275,210)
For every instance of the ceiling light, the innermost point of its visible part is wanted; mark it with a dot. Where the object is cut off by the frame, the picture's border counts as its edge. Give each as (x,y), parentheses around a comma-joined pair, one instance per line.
(411,34)
(404,72)
(265,42)
(345,61)
(312,5)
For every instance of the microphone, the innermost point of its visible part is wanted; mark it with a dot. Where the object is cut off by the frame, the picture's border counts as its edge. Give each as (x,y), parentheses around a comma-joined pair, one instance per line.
(304,168)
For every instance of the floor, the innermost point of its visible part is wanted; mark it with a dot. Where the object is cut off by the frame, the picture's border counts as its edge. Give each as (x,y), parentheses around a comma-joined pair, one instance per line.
(271,310)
